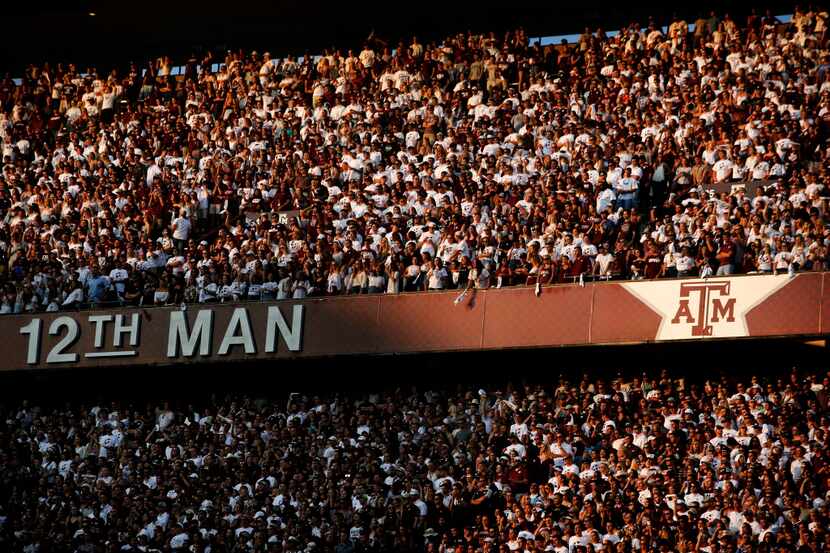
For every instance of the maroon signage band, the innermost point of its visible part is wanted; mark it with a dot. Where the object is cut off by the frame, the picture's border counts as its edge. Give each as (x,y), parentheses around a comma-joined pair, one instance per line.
(600,313)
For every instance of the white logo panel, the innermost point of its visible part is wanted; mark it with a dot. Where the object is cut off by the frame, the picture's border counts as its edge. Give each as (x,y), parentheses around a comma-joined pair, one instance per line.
(705,308)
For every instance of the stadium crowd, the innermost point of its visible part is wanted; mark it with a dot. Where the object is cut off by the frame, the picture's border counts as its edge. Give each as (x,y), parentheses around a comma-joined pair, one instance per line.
(652,463)
(480,161)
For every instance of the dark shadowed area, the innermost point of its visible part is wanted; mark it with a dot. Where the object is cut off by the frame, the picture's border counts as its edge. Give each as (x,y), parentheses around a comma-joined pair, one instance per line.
(361,374)
(120,32)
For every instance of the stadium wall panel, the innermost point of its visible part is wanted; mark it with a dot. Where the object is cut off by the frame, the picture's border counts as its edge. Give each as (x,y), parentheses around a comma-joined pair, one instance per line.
(569,315)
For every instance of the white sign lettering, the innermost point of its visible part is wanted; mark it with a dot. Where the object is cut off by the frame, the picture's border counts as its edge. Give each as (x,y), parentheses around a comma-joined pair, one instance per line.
(179,338)
(292,336)
(184,339)
(239,322)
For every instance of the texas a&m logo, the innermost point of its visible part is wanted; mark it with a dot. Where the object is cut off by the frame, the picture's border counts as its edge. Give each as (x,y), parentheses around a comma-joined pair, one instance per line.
(703,304)
(700,309)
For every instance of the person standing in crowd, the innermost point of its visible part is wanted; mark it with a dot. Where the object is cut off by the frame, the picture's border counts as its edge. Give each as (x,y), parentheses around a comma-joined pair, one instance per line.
(181,230)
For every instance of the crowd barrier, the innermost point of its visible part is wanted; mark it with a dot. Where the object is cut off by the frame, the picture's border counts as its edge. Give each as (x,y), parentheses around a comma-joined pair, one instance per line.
(567,315)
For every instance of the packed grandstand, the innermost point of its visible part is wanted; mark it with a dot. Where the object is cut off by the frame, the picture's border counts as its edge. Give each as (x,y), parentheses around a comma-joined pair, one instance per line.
(480,161)
(656,462)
